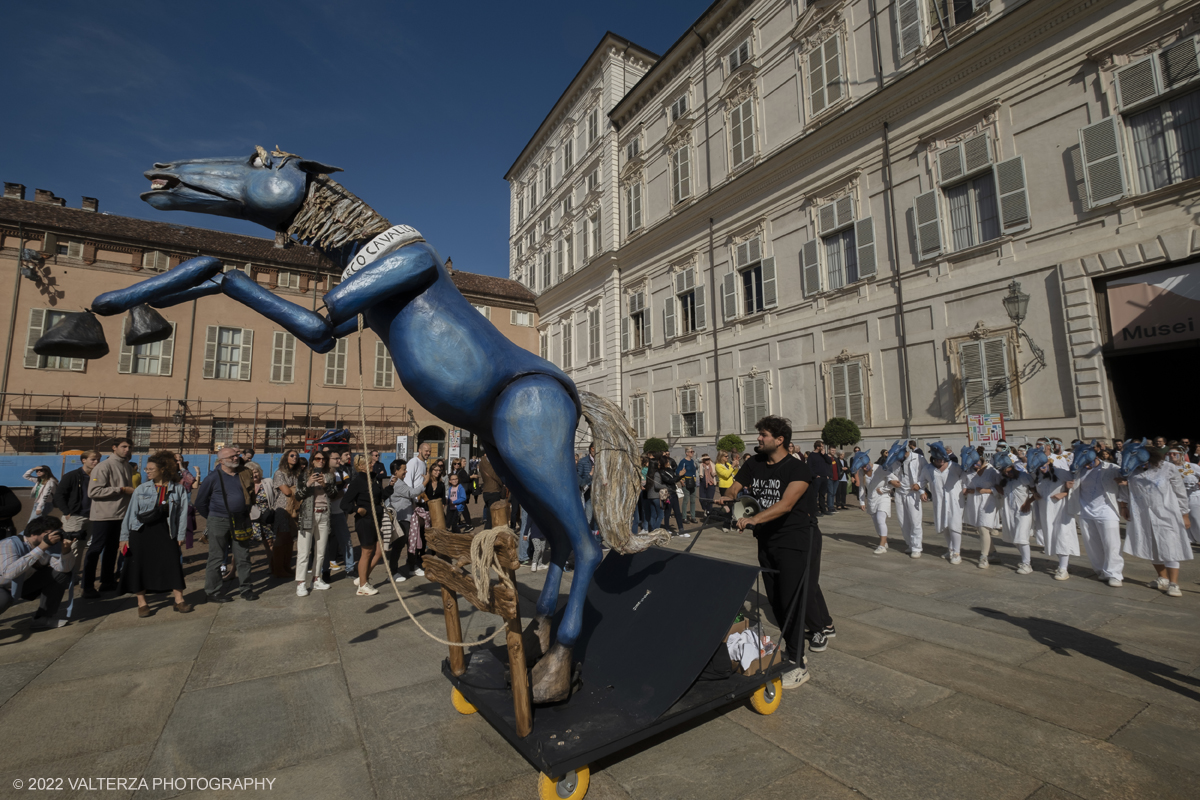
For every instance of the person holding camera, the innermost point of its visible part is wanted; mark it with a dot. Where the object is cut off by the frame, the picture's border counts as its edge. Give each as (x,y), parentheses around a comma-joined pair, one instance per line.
(33,566)
(154,527)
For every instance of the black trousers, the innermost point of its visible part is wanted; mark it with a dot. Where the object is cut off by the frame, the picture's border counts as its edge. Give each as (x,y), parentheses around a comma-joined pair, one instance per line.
(106,541)
(841,494)
(43,582)
(790,560)
(488,499)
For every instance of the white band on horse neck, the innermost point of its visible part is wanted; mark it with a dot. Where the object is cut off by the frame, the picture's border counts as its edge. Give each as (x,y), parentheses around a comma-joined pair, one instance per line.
(393,238)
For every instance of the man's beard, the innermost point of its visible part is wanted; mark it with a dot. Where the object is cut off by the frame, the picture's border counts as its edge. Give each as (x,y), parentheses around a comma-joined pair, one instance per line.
(762,450)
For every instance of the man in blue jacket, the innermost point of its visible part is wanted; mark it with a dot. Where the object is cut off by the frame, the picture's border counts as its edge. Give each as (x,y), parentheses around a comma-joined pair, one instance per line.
(583,469)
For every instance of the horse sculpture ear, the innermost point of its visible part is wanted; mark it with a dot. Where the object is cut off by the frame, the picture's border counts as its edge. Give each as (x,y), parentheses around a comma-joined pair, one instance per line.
(317,167)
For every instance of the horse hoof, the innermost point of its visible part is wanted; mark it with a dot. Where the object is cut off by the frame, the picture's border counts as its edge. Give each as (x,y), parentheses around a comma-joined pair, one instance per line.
(552,676)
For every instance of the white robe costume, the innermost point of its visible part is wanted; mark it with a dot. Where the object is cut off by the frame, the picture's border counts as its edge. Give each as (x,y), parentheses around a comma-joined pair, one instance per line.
(1060,537)
(1157,502)
(945,488)
(1095,494)
(875,495)
(1018,525)
(983,510)
(1189,473)
(908,500)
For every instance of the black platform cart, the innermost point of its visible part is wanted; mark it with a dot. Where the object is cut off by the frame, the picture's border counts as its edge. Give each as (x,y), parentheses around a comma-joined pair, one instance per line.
(651,626)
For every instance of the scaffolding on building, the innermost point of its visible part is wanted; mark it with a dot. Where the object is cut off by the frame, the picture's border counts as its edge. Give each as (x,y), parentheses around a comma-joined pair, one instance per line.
(41,423)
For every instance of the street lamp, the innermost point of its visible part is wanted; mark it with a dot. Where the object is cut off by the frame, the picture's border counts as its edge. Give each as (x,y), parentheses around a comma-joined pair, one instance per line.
(1016,303)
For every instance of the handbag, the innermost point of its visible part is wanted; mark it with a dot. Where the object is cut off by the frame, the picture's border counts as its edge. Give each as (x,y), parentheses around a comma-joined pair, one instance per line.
(239,524)
(160,512)
(664,495)
(689,483)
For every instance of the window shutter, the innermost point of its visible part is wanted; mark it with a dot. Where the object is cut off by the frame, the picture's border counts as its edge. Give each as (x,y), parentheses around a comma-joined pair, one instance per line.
(833,69)
(1178,65)
(970,357)
(1100,145)
(687,401)
(246,353)
(845,210)
(770,292)
(125,359)
(1136,83)
(701,319)
(854,393)
(669,318)
(827,217)
(735,135)
(929,226)
(995,359)
(699,423)
(210,352)
(810,266)
(281,357)
(950,164)
(166,355)
(647,336)
(816,81)
(37,317)
(749,393)
(977,152)
(331,364)
(383,367)
(677,424)
(729,295)
(840,405)
(908,18)
(624,334)
(1014,199)
(77,365)
(864,238)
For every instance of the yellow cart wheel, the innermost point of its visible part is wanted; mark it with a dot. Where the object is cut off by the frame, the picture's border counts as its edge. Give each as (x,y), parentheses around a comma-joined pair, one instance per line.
(460,703)
(768,697)
(572,786)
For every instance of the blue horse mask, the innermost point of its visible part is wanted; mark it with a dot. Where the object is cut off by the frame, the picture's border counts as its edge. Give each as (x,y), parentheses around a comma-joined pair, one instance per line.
(1133,455)
(859,461)
(968,457)
(895,454)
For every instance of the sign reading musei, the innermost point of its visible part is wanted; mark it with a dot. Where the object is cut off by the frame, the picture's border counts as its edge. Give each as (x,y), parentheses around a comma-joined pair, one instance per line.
(1155,308)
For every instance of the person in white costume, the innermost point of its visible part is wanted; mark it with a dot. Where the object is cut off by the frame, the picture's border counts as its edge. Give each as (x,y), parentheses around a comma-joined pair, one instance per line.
(1155,504)
(1019,495)
(874,494)
(1096,485)
(1189,473)
(981,501)
(1053,483)
(906,479)
(943,482)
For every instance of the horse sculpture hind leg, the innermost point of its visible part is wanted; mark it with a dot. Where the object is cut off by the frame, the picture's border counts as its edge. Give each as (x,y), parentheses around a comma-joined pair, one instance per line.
(532,448)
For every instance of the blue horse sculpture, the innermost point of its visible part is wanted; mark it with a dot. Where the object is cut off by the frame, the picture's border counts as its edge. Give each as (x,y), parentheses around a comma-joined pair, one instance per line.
(524,409)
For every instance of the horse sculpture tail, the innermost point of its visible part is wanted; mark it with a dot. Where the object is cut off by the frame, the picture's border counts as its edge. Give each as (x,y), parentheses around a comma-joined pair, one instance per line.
(616,477)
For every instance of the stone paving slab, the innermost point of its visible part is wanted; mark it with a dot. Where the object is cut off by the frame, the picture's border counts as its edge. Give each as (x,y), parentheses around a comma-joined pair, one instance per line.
(893,693)
(343,774)
(1088,767)
(106,651)
(859,639)
(231,655)
(948,634)
(81,774)
(1170,733)
(1126,671)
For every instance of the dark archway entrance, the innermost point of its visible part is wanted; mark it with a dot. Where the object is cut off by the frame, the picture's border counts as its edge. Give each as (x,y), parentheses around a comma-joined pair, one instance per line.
(1154,390)
(435,437)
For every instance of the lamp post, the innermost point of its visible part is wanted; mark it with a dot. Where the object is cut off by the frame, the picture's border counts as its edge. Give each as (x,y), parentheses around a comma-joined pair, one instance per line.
(1016,303)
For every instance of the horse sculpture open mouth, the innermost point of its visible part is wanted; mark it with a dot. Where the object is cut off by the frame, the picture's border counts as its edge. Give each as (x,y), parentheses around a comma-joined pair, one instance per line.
(165,185)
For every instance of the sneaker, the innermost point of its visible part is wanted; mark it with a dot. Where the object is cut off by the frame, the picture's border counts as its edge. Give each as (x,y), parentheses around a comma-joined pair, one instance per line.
(983,563)
(399,577)
(817,642)
(1160,583)
(1115,583)
(685,536)
(881,549)
(49,623)
(829,631)
(249,594)
(334,569)
(1024,569)
(356,581)
(301,590)
(366,590)
(320,585)
(914,553)
(794,678)
(1173,590)
(420,573)
(955,558)
(1061,575)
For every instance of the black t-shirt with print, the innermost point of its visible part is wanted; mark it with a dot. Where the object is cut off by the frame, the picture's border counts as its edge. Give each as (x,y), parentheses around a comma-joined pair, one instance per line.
(767,483)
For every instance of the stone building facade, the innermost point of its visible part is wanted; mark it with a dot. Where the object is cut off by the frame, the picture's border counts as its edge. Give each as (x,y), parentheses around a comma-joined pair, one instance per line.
(824,204)
(227,374)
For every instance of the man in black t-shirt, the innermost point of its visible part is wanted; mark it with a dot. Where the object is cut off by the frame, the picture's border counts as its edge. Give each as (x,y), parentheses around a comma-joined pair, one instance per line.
(788,539)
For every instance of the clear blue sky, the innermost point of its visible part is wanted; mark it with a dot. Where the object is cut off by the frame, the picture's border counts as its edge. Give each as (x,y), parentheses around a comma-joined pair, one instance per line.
(425,106)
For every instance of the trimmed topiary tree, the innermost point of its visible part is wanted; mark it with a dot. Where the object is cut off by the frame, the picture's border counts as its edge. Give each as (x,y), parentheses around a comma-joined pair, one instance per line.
(655,445)
(731,443)
(840,432)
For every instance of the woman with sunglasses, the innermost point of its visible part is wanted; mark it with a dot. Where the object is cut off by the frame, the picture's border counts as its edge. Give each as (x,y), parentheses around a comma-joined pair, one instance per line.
(285,481)
(44,485)
(316,491)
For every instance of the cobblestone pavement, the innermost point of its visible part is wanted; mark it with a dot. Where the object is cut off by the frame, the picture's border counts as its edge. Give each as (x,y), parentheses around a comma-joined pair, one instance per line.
(942,682)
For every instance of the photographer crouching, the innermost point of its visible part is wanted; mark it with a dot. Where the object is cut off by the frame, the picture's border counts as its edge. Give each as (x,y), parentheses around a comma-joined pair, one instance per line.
(34,566)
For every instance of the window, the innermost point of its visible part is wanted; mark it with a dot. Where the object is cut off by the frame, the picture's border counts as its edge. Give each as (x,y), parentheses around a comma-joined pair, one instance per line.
(985,199)
(637,410)
(1166,142)
(520,205)
(568,253)
(955,12)
(485,310)
(273,443)
(846,392)
(568,204)
(633,149)
(593,180)
(246,269)
(384,374)
(287,280)
(40,321)
(754,402)
(754,275)
(335,364)
(283,357)
(911,25)
(227,353)
(592,244)
(533,192)
(593,318)
(545,226)
(156,358)
(847,246)
(690,419)
(633,206)
(825,74)
(544,345)
(155,260)
(558,260)
(546,281)
(69,249)
(593,125)
(547,181)
(635,327)
(684,312)
(568,156)
(681,173)
(531,239)
(47,437)
(519,251)
(568,343)
(739,56)
(679,108)
(523,319)
(222,432)
(140,427)
(985,385)
(741,131)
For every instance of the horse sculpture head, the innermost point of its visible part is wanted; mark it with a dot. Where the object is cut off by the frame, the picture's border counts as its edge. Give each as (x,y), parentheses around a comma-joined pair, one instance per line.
(265,188)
